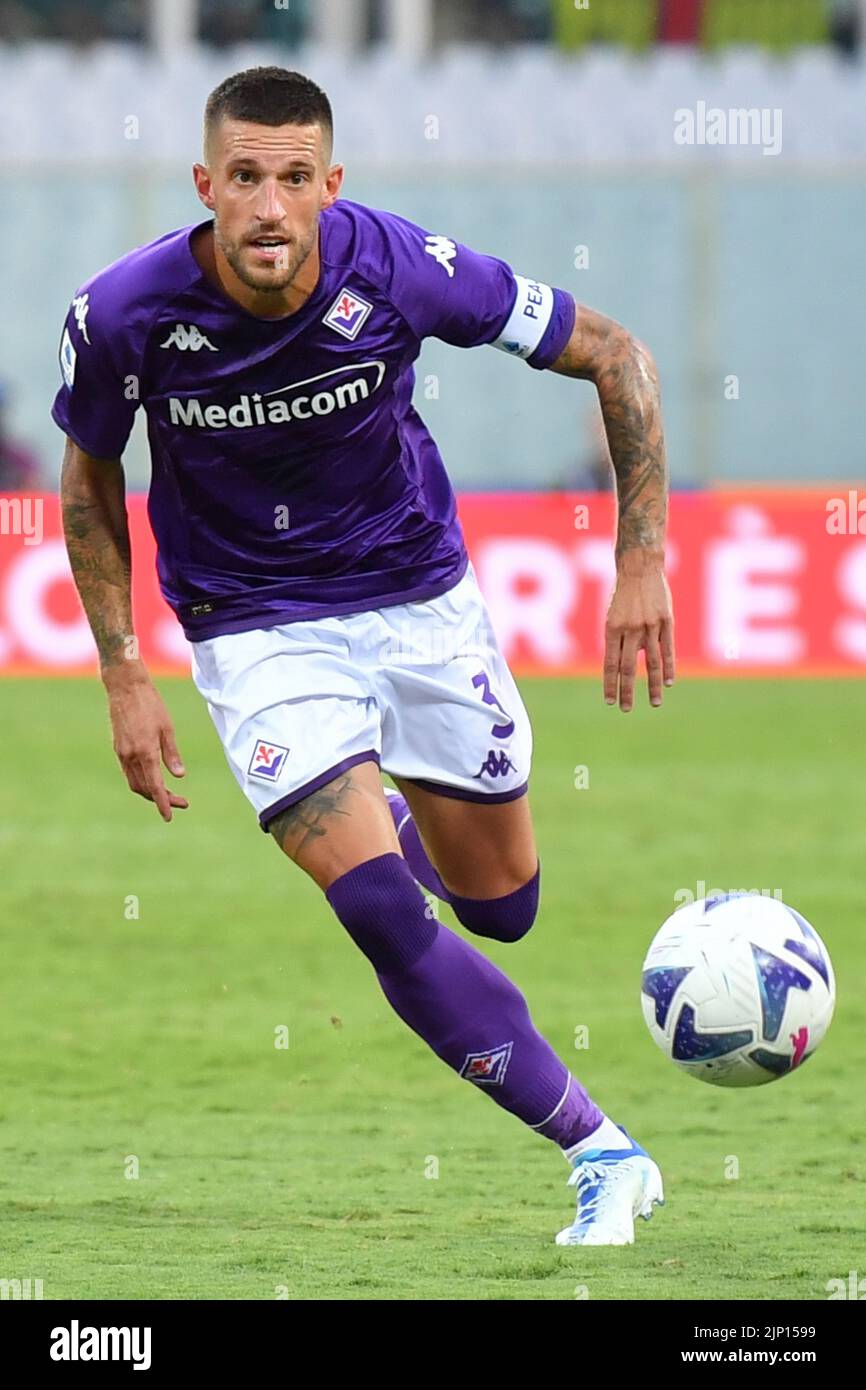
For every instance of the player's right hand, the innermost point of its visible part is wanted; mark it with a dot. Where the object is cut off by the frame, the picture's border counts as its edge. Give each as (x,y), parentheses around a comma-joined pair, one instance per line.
(144,738)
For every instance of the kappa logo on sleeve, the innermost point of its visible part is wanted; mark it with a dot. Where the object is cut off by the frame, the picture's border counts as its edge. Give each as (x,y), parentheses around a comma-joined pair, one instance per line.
(487,1068)
(188,338)
(80,307)
(443,251)
(268,761)
(348,314)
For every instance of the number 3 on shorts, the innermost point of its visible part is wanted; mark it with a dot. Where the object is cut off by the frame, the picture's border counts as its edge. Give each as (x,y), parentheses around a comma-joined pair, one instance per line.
(482,680)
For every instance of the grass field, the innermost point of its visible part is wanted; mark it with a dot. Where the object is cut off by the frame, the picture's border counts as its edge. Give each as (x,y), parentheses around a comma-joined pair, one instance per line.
(303,1169)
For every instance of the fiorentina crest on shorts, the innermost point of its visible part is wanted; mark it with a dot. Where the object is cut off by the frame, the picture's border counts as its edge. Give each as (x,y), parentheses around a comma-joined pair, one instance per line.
(487,1068)
(267,761)
(348,313)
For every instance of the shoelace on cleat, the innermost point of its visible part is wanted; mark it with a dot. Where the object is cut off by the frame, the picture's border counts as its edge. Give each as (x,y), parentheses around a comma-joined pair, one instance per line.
(587,1173)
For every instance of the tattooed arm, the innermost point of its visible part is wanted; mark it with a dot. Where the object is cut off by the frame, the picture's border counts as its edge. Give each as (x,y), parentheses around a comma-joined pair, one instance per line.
(92,499)
(640,614)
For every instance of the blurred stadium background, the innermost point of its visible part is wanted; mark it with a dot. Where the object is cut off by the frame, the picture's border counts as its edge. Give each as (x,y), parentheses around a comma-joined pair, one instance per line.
(547,132)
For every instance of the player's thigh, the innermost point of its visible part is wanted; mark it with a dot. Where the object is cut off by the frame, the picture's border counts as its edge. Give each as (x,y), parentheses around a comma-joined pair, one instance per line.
(480,850)
(339,826)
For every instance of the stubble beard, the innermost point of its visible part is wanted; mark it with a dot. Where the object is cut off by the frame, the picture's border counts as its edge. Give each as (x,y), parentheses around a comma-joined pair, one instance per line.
(266,279)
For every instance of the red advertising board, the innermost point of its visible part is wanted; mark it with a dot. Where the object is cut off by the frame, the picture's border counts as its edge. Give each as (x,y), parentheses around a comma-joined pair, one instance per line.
(764,582)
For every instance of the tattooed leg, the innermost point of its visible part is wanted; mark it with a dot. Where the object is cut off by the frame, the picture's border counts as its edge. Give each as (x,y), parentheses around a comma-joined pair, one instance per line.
(341,825)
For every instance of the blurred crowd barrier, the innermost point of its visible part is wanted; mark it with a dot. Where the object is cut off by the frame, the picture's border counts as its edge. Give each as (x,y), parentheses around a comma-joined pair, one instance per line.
(473,103)
(569,24)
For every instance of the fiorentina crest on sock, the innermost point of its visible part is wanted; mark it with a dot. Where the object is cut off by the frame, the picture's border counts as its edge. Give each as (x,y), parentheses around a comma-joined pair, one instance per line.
(487,1068)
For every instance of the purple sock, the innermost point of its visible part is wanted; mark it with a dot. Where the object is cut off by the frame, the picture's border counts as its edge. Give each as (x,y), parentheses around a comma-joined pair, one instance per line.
(413,850)
(459,1002)
(501,919)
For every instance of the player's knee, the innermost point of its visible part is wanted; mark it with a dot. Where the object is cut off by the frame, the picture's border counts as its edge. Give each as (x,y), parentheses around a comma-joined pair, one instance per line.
(501,919)
(384,912)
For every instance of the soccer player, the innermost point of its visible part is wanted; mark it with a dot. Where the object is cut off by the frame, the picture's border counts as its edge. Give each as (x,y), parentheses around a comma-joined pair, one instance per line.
(309,544)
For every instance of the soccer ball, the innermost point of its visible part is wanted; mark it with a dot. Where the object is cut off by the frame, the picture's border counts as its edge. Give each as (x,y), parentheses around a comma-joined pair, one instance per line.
(737,989)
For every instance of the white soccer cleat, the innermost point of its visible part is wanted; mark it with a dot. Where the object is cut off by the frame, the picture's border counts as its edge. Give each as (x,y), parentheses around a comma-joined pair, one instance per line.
(613,1187)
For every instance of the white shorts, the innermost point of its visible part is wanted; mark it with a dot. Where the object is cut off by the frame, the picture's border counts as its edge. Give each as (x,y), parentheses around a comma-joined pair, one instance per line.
(420,688)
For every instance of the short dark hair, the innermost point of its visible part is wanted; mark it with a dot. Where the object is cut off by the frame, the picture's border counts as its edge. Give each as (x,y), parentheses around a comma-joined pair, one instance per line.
(269,96)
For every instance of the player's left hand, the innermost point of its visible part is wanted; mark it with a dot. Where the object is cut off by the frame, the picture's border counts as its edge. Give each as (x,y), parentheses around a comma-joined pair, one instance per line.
(639,618)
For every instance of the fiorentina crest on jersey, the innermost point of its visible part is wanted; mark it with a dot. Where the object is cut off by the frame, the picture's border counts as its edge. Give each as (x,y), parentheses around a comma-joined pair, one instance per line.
(267,761)
(348,313)
(487,1068)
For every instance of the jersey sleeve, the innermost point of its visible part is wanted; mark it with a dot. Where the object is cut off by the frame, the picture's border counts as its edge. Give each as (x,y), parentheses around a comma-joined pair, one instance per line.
(99,392)
(446,290)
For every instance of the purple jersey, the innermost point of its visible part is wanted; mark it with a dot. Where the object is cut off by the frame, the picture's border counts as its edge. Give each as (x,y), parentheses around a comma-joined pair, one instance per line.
(292,477)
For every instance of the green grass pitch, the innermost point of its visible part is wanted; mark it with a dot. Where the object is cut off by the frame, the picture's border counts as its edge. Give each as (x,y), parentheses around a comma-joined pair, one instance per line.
(148,1044)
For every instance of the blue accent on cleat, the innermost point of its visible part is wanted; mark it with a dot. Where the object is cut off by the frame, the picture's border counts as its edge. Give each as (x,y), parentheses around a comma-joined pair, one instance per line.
(613,1187)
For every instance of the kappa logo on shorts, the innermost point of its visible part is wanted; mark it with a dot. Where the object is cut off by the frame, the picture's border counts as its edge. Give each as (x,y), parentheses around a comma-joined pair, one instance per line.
(267,761)
(496,764)
(487,1068)
(348,314)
